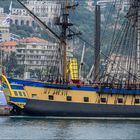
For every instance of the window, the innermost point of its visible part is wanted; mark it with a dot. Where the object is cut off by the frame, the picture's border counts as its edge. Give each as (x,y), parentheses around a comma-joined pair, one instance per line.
(19,51)
(20,93)
(16,22)
(15,92)
(137,101)
(103,100)
(34,96)
(34,46)
(69,98)
(86,99)
(27,23)
(22,22)
(50,97)
(120,100)
(24,94)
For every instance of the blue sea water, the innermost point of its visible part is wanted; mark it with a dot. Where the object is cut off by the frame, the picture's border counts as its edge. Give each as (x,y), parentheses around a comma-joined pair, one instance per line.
(61,129)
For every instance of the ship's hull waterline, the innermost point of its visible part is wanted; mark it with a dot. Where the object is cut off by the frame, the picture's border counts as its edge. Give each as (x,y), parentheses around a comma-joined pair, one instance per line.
(33,98)
(54,108)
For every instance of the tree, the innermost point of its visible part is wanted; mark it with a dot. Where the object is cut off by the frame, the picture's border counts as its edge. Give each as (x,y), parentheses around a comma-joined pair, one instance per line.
(12,67)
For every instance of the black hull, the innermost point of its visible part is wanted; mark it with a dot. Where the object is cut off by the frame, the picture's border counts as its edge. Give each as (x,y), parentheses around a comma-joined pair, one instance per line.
(68,109)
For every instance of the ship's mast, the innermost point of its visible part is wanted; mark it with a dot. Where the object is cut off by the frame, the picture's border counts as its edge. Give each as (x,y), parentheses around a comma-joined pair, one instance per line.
(97,43)
(64,37)
(134,16)
(65,24)
(138,38)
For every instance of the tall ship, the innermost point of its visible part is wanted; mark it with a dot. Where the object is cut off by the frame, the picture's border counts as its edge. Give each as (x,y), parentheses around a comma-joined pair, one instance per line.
(114,90)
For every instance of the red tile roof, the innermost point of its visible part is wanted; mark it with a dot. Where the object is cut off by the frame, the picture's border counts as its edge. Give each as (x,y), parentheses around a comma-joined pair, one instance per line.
(8,43)
(33,40)
(26,40)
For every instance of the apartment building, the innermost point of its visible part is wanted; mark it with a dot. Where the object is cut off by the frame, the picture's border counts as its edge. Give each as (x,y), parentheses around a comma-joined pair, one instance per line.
(45,10)
(119,66)
(36,53)
(6,48)
(4,32)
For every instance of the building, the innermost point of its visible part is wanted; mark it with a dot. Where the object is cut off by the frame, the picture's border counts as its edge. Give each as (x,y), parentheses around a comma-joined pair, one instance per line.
(120,5)
(90,5)
(4,32)
(7,47)
(119,66)
(45,10)
(36,53)
(1,10)
(4,27)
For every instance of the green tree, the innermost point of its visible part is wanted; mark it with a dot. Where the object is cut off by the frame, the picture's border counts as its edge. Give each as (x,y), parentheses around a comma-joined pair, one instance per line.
(12,67)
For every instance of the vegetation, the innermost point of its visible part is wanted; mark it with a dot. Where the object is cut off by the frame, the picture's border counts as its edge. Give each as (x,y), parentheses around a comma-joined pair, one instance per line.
(6,3)
(12,67)
(19,30)
(83,20)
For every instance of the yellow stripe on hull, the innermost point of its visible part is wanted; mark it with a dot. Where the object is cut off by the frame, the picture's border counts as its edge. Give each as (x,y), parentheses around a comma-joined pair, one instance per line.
(78,96)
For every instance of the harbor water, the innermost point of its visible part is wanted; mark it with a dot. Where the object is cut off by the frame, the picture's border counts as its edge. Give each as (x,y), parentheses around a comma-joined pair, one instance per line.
(61,129)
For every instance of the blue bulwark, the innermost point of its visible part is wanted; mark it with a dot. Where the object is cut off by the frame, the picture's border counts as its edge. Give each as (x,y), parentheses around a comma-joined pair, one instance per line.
(47,85)
(119,91)
(105,90)
(17,87)
(15,99)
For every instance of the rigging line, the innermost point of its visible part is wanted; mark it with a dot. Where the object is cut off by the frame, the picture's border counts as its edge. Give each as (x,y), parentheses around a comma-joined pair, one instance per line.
(115,68)
(134,64)
(131,56)
(114,32)
(115,44)
(54,66)
(118,36)
(130,45)
(42,24)
(135,52)
(123,44)
(122,26)
(109,14)
(126,58)
(120,45)
(52,63)
(105,56)
(58,58)
(117,47)
(121,31)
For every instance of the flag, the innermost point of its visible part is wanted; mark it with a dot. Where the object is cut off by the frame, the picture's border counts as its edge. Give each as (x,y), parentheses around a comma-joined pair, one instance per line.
(8,18)
(10,7)
(6,21)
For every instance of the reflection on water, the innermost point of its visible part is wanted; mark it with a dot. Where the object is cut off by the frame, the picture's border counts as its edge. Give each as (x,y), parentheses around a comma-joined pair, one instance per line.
(68,129)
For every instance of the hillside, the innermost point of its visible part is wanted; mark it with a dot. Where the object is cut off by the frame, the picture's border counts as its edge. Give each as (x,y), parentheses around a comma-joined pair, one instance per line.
(83,20)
